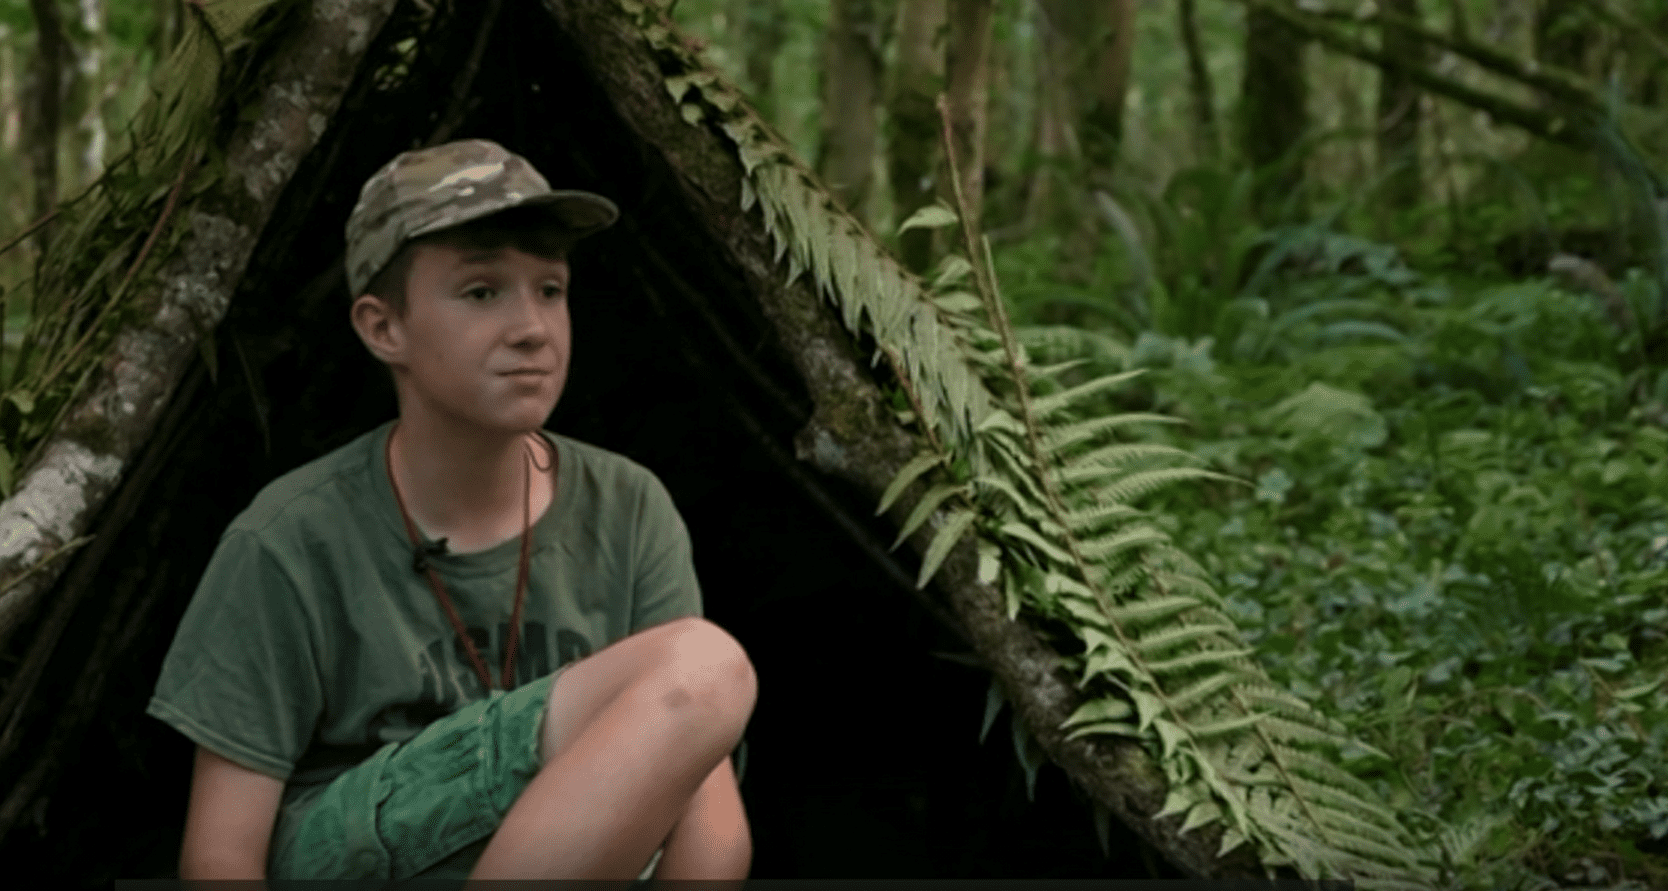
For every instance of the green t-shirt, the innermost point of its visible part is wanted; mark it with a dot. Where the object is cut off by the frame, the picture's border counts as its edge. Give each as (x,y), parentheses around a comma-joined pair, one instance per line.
(311,640)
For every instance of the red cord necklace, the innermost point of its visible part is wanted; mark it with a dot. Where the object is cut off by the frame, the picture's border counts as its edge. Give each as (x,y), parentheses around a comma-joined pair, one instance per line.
(440,589)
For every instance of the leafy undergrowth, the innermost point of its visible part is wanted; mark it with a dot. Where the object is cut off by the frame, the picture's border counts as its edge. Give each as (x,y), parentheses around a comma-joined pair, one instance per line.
(1454,536)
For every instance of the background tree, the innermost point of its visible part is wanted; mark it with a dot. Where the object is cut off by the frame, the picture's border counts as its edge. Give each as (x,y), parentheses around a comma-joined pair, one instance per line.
(1398,111)
(913,133)
(43,105)
(1200,91)
(1274,95)
(967,92)
(851,81)
(761,29)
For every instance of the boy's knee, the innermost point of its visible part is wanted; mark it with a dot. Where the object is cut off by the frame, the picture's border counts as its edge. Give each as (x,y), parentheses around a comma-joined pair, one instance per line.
(706,664)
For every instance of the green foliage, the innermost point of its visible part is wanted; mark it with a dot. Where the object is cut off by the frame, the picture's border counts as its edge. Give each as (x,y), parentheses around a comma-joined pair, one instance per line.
(81,293)
(1456,545)
(1039,474)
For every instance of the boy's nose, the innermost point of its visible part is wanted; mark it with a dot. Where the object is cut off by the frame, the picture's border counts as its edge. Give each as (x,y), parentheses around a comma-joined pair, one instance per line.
(530,322)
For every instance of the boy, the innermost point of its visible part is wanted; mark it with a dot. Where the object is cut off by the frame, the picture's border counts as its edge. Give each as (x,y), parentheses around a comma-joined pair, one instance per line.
(387,666)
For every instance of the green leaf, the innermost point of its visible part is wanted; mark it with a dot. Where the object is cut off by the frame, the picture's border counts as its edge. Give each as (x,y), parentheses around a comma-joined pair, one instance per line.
(953,268)
(1099,549)
(6,472)
(1194,660)
(1170,736)
(1030,757)
(942,543)
(924,508)
(1029,535)
(677,85)
(1148,610)
(1050,405)
(1106,728)
(1064,437)
(23,400)
(993,707)
(910,473)
(990,562)
(1202,813)
(932,216)
(1109,708)
(692,112)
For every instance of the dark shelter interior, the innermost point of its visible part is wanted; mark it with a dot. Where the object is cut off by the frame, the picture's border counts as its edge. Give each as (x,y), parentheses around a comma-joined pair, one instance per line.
(862,758)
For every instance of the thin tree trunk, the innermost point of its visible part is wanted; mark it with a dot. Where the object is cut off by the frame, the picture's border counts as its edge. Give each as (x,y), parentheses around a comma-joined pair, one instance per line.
(850,94)
(1055,140)
(1398,113)
(43,108)
(1274,93)
(1112,48)
(11,113)
(967,60)
(167,28)
(763,28)
(912,149)
(1206,141)
(1561,34)
(90,132)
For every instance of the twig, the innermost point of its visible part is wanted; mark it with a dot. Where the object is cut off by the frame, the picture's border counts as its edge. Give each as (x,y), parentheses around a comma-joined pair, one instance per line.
(30,230)
(132,270)
(1542,124)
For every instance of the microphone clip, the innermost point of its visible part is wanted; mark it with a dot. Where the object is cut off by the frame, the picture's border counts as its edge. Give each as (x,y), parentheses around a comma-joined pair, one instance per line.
(420,556)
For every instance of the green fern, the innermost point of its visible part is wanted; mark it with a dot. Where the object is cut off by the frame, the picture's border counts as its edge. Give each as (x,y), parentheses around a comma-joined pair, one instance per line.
(1050,497)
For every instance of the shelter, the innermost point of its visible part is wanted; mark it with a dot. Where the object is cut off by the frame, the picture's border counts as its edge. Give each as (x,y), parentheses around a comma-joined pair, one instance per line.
(700,350)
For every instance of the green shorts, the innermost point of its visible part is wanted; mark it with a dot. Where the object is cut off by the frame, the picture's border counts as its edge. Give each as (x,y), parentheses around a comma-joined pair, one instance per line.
(425,807)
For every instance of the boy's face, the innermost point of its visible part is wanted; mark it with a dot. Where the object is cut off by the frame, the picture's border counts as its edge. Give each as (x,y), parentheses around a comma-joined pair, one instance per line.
(486,336)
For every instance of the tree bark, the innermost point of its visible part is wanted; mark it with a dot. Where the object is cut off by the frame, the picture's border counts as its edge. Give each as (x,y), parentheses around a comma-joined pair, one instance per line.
(1103,117)
(854,436)
(85,458)
(1562,34)
(1545,124)
(763,29)
(966,65)
(89,88)
(43,108)
(913,146)
(850,93)
(1274,95)
(1206,141)
(1398,113)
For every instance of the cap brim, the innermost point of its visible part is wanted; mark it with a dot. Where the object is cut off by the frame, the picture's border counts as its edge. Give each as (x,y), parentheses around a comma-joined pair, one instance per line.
(583,213)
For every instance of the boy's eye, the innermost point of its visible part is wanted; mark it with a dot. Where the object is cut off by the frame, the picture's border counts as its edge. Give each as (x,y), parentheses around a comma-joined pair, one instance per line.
(553,290)
(479,292)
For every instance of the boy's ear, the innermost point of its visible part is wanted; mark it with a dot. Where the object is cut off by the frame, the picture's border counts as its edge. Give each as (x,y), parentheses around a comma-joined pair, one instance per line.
(378,327)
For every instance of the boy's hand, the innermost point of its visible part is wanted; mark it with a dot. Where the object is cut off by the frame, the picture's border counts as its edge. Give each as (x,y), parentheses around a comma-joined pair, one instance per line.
(228,824)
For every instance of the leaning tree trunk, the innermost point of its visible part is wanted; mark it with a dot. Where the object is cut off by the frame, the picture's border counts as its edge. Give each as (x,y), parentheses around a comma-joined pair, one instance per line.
(850,93)
(1273,96)
(54,504)
(912,147)
(854,435)
(1397,134)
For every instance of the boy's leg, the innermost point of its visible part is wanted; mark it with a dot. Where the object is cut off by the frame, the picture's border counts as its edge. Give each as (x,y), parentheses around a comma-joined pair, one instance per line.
(631,733)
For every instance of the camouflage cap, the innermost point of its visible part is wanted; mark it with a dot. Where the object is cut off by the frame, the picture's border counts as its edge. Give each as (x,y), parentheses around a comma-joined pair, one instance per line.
(427,190)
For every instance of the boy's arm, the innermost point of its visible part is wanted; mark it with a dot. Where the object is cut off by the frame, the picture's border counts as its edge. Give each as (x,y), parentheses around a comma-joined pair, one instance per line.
(228,824)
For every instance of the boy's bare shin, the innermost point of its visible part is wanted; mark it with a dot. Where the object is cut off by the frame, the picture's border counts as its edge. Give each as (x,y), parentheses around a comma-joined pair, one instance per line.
(611,796)
(712,840)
